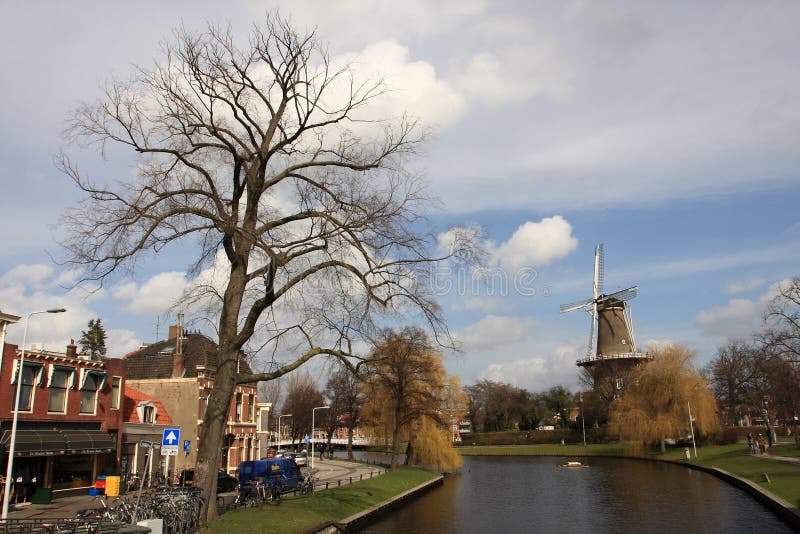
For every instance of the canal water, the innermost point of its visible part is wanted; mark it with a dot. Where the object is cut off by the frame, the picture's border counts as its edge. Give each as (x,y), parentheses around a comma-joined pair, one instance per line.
(533,494)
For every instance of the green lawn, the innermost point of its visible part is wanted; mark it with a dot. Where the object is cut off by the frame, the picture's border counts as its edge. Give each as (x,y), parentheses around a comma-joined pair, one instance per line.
(302,513)
(735,459)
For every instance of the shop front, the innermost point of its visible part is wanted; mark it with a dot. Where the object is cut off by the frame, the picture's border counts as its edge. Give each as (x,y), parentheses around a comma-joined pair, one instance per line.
(59,459)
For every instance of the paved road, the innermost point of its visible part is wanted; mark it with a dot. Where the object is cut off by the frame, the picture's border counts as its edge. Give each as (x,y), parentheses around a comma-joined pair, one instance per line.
(330,471)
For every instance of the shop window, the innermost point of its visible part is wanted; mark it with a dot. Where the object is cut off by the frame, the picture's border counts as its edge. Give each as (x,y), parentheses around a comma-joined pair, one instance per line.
(59,385)
(91,385)
(116,391)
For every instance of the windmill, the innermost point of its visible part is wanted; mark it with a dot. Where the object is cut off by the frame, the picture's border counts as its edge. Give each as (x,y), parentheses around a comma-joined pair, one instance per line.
(611,328)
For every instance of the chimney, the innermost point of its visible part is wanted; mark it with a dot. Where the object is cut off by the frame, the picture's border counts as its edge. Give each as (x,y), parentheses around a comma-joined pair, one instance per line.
(173,331)
(178,361)
(72,349)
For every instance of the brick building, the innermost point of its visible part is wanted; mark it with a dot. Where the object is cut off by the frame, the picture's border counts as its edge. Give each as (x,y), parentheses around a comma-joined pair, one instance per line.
(68,429)
(179,372)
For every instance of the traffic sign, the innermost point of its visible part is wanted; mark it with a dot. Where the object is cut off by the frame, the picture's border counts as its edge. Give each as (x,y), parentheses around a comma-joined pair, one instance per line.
(171,437)
(187,444)
(169,441)
(306,439)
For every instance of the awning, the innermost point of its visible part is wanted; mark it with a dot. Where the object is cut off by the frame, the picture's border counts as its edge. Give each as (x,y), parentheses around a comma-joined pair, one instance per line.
(35,442)
(89,441)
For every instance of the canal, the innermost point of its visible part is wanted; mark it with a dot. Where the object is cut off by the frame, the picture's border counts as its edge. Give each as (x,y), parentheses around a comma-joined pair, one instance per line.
(534,494)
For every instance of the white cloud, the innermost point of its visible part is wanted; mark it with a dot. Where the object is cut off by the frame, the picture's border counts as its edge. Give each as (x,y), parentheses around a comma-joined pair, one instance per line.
(121,341)
(737,319)
(515,74)
(494,331)
(484,304)
(535,244)
(35,275)
(538,373)
(743,286)
(153,297)
(412,87)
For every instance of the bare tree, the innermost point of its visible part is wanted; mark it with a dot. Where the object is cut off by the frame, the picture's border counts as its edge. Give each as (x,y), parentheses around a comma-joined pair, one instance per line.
(346,399)
(266,157)
(302,395)
(735,375)
(782,333)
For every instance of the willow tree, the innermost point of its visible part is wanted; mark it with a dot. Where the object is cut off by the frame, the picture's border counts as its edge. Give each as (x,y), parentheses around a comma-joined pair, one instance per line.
(656,405)
(404,381)
(268,159)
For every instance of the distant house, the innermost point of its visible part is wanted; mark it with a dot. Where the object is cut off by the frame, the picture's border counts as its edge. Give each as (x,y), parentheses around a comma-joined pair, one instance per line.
(143,418)
(179,372)
(68,429)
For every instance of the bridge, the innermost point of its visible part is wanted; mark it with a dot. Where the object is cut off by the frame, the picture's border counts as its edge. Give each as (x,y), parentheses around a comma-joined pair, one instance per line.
(358,443)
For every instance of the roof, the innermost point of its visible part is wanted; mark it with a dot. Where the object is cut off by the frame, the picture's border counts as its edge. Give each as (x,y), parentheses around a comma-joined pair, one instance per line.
(155,361)
(132,399)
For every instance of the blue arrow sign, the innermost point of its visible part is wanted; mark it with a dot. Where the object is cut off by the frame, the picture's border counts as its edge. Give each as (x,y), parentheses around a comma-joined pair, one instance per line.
(171,437)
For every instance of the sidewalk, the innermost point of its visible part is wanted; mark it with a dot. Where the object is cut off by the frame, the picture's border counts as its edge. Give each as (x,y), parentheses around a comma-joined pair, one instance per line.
(326,470)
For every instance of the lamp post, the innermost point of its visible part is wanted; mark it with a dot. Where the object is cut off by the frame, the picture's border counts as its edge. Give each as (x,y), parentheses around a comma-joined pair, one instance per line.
(313,411)
(691,427)
(583,422)
(12,440)
(279,428)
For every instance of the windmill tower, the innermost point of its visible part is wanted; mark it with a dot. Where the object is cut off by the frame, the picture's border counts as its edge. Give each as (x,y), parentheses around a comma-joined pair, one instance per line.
(611,351)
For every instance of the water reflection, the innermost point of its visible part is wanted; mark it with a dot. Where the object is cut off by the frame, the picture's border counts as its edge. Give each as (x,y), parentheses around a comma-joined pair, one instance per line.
(534,494)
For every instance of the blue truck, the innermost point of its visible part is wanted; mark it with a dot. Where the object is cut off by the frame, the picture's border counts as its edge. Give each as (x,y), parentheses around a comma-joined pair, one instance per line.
(278,474)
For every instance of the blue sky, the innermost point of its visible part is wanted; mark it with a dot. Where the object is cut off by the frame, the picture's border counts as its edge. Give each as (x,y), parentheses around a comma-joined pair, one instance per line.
(667,132)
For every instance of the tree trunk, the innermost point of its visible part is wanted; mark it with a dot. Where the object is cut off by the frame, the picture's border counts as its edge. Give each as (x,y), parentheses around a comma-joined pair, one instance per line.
(663,444)
(409,452)
(396,440)
(213,429)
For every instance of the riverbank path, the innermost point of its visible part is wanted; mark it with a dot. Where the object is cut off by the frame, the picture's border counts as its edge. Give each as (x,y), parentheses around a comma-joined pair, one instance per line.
(330,471)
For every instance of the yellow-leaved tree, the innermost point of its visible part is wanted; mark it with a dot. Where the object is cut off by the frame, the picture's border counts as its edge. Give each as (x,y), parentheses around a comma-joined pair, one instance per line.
(409,396)
(656,406)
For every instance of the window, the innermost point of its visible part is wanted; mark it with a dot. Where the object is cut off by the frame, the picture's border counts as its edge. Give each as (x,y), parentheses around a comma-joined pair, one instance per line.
(206,397)
(91,385)
(149,415)
(116,390)
(59,384)
(251,412)
(238,407)
(26,388)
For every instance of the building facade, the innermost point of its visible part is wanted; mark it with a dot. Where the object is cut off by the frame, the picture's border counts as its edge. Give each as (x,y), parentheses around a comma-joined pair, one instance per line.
(143,419)
(179,372)
(69,422)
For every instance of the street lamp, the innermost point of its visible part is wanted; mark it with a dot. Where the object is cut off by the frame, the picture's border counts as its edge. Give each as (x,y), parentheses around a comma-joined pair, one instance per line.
(312,431)
(12,440)
(279,429)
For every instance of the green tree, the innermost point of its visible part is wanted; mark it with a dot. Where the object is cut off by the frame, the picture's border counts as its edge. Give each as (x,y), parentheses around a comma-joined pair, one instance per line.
(93,340)
(559,401)
(655,406)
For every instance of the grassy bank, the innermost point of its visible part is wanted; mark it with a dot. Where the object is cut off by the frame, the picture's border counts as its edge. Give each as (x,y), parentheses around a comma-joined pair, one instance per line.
(736,459)
(302,513)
